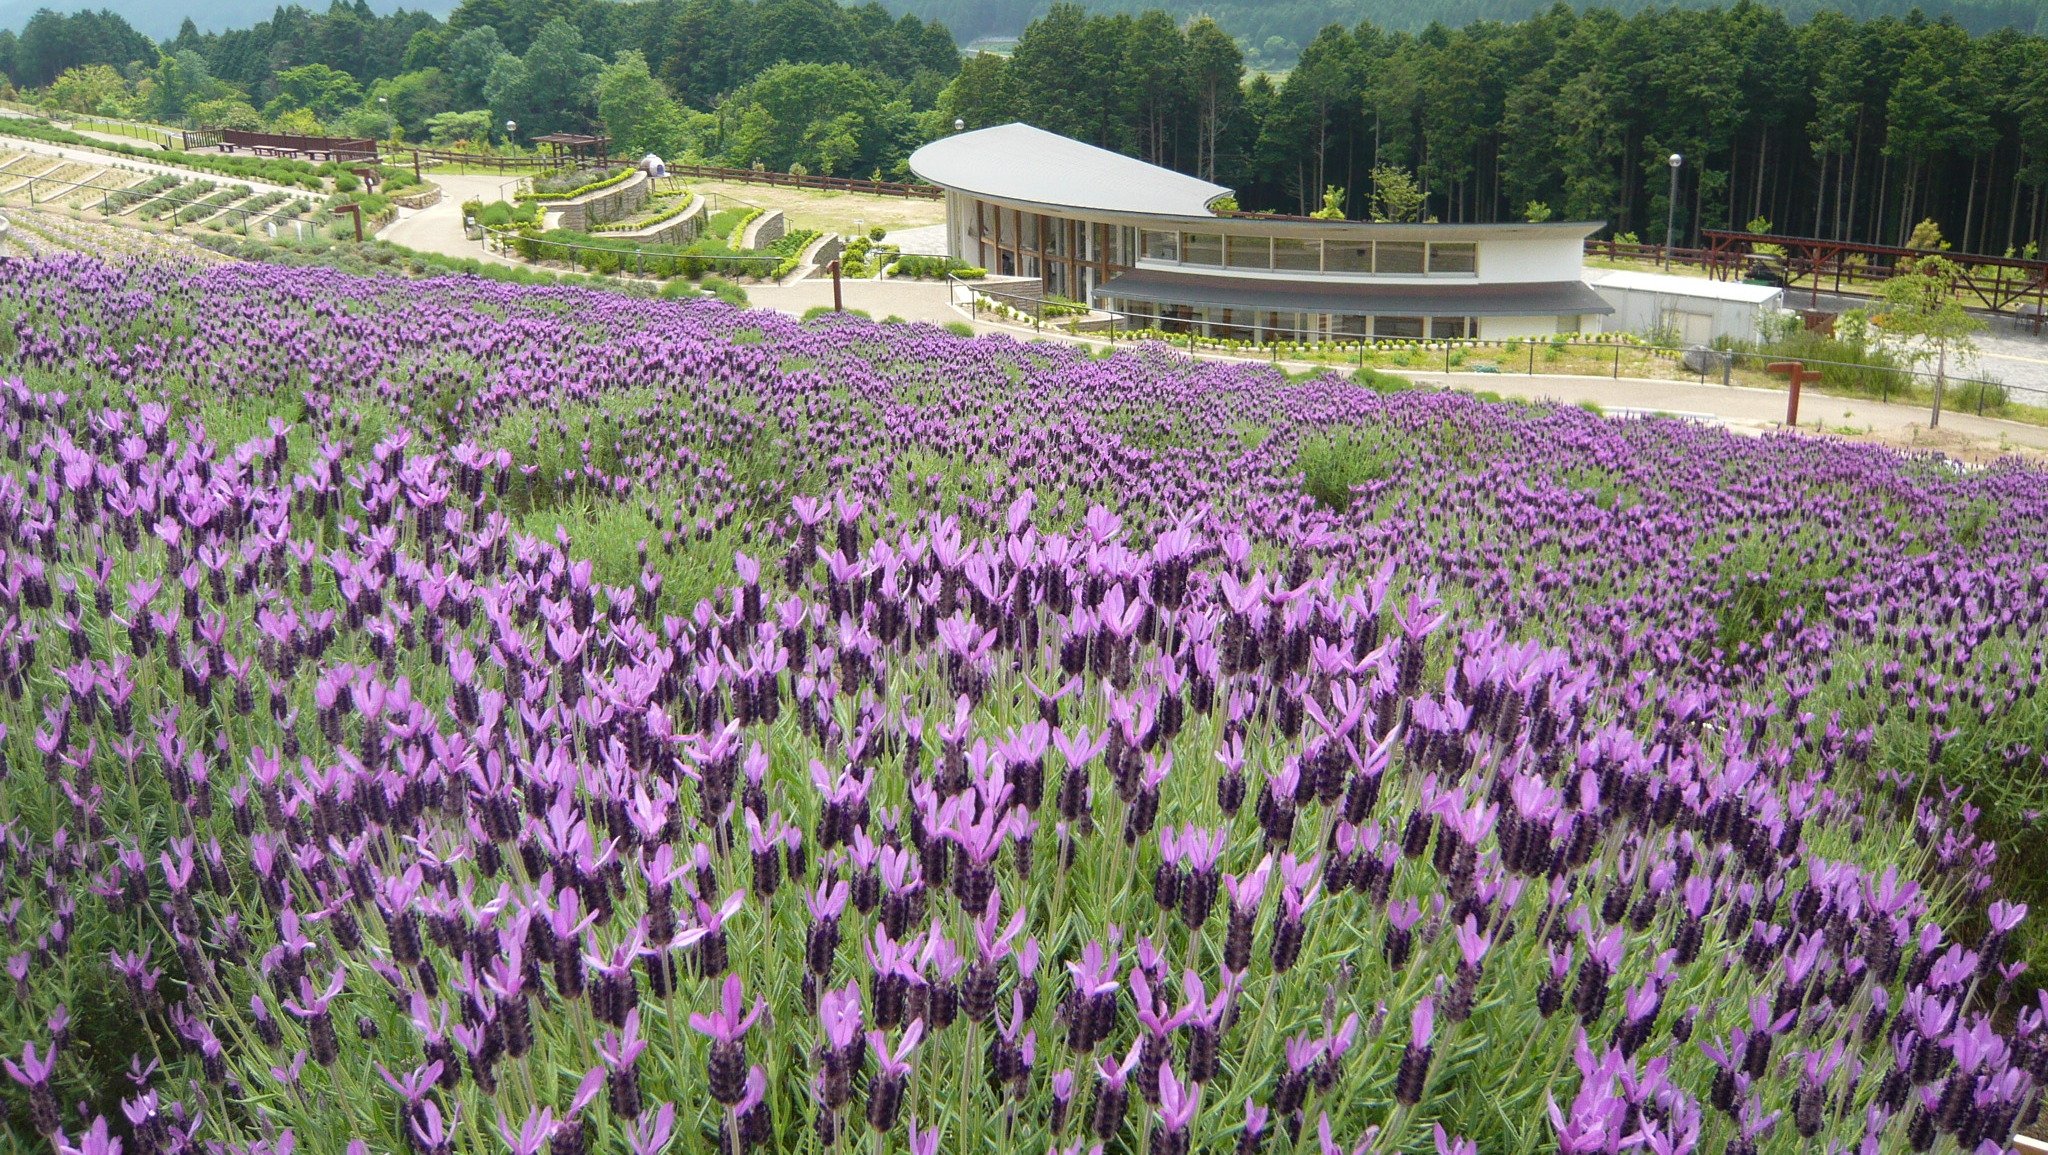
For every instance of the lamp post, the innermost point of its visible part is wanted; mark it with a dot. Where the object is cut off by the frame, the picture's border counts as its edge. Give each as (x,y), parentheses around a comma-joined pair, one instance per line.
(1671,210)
(511,126)
(959,123)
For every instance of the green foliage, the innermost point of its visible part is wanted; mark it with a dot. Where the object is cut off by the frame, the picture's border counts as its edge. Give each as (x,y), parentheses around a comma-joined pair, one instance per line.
(1536,212)
(915,265)
(1395,194)
(573,183)
(1333,205)
(725,291)
(959,328)
(638,112)
(675,208)
(448,129)
(1927,235)
(829,118)
(1333,465)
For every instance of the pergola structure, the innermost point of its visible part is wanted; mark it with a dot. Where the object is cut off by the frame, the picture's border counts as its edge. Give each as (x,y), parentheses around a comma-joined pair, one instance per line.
(2001,285)
(575,146)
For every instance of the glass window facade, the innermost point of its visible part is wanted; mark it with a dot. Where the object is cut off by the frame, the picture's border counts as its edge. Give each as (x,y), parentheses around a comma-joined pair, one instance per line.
(1201,249)
(1398,257)
(1297,255)
(1453,257)
(1250,252)
(1162,246)
(1347,256)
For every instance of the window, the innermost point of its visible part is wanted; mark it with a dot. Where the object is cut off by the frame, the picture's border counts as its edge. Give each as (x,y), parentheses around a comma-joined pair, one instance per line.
(1201,249)
(1162,246)
(1347,256)
(1456,328)
(1408,327)
(1251,253)
(1348,327)
(1306,256)
(1398,257)
(1453,257)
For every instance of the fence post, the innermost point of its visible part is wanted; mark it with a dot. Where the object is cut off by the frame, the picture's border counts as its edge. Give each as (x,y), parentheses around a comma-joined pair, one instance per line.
(1617,360)
(1727,368)
(1981,391)
(1532,358)
(1447,360)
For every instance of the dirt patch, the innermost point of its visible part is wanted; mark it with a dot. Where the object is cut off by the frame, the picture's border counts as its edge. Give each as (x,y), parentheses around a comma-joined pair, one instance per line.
(826,211)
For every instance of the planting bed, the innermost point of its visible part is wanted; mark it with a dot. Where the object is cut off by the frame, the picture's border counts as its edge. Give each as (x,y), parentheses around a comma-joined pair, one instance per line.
(448,716)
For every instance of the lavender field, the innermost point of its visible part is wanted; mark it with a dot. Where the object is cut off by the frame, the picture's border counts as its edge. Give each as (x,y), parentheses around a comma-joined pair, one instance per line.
(449,717)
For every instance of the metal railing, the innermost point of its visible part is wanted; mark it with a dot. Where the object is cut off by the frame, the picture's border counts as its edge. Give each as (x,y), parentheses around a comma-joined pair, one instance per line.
(1616,356)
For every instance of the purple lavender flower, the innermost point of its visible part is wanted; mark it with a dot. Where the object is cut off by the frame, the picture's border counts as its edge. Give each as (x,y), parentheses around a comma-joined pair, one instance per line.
(726,1069)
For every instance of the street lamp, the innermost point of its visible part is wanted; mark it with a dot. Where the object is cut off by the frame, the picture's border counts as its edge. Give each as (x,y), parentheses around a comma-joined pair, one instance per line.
(384,106)
(959,123)
(511,126)
(1671,210)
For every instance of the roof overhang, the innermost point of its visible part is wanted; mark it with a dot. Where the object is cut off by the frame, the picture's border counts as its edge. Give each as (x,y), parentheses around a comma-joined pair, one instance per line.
(1420,299)
(1020,164)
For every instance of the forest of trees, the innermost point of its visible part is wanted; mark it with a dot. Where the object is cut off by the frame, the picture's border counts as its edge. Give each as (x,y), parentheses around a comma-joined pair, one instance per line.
(1832,127)
(1273,32)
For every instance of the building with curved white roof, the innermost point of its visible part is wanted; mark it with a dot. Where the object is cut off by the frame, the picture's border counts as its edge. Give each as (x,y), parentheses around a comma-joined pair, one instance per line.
(1099,227)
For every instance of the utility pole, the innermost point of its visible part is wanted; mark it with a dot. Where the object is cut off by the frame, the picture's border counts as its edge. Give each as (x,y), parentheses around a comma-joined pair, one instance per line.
(1671,210)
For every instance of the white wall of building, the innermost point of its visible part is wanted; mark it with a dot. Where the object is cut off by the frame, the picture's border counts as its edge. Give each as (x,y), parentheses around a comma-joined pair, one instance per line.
(1523,258)
(1503,328)
(1692,320)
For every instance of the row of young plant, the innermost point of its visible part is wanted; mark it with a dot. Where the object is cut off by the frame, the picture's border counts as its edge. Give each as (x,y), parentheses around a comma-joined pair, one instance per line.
(275,171)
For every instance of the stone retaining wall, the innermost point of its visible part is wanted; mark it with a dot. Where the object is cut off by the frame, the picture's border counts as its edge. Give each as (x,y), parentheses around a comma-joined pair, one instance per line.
(674,231)
(822,252)
(606,204)
(420,198)
(764,230)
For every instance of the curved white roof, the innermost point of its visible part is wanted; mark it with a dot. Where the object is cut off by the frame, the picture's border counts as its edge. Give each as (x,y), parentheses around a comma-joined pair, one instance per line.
(1016,162)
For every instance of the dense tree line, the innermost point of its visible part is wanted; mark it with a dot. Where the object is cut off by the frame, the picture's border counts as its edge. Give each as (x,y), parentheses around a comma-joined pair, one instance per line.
(1833,127)
(775,82)
(1273,32)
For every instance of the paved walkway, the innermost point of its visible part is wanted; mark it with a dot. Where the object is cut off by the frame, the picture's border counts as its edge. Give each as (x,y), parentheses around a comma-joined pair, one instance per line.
(910,300)
(438,227)
(923,241)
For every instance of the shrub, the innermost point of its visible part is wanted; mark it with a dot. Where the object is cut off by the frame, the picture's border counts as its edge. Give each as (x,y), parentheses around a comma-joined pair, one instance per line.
(1332,466)
(726,291)
(915,265)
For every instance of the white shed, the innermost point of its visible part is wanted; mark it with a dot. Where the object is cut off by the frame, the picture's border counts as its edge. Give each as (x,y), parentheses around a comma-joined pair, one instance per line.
(1697,310)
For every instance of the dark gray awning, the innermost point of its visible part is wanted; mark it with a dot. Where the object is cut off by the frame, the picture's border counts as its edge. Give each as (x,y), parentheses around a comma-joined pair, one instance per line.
(1421,299)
